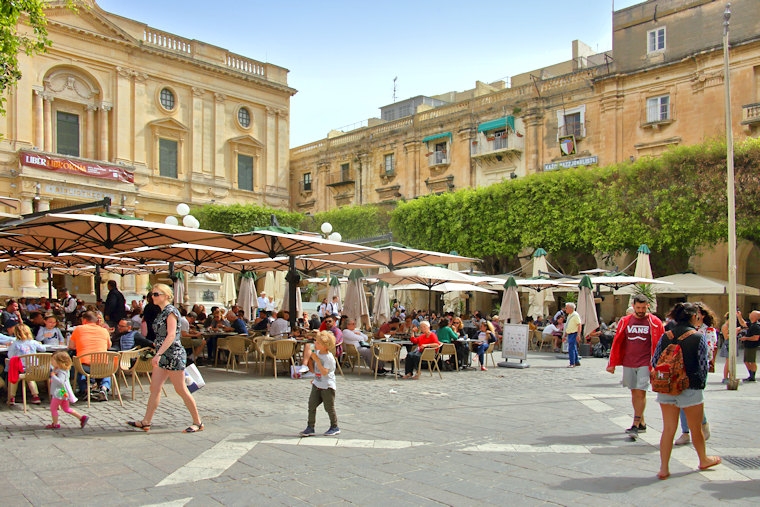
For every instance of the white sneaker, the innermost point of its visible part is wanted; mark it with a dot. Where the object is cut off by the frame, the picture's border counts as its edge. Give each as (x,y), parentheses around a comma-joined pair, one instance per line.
(303,369)
(684,439)
(308,374)
(706,431)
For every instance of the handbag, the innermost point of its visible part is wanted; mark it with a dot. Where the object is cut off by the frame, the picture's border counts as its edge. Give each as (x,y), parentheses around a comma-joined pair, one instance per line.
(193,378)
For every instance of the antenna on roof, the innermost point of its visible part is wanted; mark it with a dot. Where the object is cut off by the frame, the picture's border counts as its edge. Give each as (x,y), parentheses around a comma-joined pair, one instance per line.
(394,88)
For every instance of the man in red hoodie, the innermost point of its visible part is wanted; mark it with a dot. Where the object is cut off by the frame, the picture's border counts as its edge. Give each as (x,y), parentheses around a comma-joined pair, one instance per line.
(632,348)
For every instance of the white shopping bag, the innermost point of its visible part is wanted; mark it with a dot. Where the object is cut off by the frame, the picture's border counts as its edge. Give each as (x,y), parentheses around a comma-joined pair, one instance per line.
(294,373)
(193,378)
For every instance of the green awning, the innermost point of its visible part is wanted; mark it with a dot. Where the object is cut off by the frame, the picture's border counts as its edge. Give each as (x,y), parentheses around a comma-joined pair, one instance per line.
(507,121)
(436,136)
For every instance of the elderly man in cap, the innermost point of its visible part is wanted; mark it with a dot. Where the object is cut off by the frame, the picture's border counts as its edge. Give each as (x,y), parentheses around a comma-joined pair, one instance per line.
(261,302)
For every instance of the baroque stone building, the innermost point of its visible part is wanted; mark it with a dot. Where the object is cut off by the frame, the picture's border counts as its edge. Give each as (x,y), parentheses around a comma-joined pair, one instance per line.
(118,109)
(661,85)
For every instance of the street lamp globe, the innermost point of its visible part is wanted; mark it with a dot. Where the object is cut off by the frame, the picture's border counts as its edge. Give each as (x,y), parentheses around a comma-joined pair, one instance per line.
(326,228)
(335,236)
(183,209)
(170,220)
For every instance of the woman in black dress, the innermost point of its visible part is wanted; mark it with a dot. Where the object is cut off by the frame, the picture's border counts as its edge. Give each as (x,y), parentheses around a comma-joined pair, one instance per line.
(169,361)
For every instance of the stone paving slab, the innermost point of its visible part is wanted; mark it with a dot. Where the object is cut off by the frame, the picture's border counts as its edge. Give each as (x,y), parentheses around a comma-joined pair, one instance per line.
(546,434)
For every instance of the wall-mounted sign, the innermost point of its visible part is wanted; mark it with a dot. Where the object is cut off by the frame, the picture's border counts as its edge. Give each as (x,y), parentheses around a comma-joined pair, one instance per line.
(571,163)
(73,166)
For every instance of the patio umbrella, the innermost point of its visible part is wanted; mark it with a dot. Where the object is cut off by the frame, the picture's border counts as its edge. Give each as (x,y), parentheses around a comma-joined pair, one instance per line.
(334,290)
(586,306)
(355,304)
(286,301)
(228,291)
(396,257)
(538,301)
(644,270)
(510,303)
(381,311)
(247,294)
(686,284)
(444,287)
(451,299)
(179,288)
(428,276)
(194,255)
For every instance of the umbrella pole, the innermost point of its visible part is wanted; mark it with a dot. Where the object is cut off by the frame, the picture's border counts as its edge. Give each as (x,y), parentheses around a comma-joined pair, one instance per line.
(293,280)
(97,282)
(50,283)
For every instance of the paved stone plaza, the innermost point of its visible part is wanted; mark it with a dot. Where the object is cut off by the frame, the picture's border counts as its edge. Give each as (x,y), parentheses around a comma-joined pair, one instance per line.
(547,434)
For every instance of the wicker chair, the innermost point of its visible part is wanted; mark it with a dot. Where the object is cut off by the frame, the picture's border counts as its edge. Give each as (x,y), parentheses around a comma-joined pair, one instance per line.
(429,354)
(126,360)
(102,365)
(139,366)
(489,353)
(255,349)
(449,349)
(221,344)
(278,350)
(36,369)
(337,359)
(385,351)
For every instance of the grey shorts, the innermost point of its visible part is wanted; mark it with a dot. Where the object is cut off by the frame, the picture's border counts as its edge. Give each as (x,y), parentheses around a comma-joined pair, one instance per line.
(750,354)
(636,378)
(687,398)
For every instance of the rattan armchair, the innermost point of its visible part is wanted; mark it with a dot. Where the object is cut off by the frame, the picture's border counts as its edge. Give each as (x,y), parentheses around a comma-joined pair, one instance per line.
(101,365)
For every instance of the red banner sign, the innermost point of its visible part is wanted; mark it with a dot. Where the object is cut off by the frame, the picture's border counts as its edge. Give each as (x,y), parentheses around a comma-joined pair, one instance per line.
(72,166)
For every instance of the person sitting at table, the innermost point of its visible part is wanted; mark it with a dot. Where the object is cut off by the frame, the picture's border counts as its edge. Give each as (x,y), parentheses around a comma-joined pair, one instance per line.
(35,321)
(314,322)
(447,335)
(486,336)
(11,315)
(387,328)
(190,337)
(24,344)
(355,337)
(126,338)
(343,322)
(210,318)
(236,324)
(90,337)
(49,334)
(425,339)
(407,326)
(555,330)
(281,325)
(262,322)
(216,321)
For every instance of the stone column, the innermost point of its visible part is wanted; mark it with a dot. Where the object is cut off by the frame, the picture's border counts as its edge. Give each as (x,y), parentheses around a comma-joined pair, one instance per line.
(270,171)
(39,120)
(283,150)
(121,144)
(47,121)
(196,131)
(103,153)
(90,134)
(218,136)
(26,278)
(139,153)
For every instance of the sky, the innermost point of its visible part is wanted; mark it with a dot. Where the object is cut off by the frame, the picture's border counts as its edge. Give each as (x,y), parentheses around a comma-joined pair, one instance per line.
(343,55)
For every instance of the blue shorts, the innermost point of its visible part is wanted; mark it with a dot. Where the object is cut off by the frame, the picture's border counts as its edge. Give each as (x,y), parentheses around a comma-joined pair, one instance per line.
(688,398)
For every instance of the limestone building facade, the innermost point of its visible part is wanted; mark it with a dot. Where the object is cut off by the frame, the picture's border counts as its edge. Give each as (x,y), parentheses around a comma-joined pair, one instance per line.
(118,109)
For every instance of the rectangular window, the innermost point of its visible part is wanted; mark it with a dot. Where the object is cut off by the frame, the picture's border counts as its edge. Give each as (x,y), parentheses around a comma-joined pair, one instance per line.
(658,109)
(390,163)
(307,182)
(245,172)
(656,40)
(573,125)
(167,158)
(67,133)
(344,172)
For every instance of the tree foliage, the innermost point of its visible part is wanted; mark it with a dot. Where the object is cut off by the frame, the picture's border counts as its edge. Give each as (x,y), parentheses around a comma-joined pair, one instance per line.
(674,203)
(354,222)
(237,218)
(13,41)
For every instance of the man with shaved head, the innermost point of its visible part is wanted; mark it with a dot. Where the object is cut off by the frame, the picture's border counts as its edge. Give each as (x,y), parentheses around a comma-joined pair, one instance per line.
(751,341)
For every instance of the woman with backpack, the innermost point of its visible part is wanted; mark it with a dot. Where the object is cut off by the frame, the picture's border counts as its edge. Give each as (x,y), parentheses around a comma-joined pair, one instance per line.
(695,353)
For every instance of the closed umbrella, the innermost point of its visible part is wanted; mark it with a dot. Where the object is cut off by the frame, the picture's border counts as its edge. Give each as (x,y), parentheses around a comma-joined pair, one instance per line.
(381,312)
(247,294)
(538,302)
(334,290)
(179,288)
(586,306)
(644,270)
(451,299)
(229,293)
(355,305)
(286,301)
(510,303)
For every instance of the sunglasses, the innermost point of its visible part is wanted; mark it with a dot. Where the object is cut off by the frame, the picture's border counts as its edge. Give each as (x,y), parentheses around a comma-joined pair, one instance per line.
(156,294)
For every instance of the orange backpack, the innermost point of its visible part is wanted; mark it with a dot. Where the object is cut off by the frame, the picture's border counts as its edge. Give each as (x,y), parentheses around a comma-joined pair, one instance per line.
(669,376)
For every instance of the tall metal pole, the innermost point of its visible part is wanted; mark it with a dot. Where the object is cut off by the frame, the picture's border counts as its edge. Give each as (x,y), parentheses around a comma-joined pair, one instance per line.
(733,382)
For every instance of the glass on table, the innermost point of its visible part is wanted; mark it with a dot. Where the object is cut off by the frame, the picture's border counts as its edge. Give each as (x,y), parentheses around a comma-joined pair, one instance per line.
(387,337)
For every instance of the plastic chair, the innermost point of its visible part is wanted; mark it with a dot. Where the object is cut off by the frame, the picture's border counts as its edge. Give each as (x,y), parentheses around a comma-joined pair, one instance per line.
(449,349)
(237,346)
(139,366)
(221,344)
(386,351)
(126,358)
(278,350)
(337,359)
(351,353)
(36,369)
(430,354)
(102,365)
(489,353)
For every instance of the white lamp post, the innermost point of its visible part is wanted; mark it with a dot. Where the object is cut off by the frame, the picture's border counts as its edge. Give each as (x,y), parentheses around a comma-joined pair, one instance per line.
(188,220)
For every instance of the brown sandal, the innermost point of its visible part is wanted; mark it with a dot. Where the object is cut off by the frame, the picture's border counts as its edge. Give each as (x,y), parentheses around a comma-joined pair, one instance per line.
(139,425)
(193,428)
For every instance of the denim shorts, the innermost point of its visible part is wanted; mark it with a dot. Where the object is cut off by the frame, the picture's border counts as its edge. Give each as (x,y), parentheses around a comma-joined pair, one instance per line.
(687,398)
(636,378)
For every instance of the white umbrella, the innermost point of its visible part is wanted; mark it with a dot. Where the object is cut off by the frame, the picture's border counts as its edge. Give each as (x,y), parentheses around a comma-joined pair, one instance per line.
(451,299)
(381,311)
(429,276)
(228,291)
(247,294)
(444,287)
(510,304)
(334,290)
(644,270)
(355,305)
(179,288)
(685,284)
(539,300)
(586,306)
(286,302)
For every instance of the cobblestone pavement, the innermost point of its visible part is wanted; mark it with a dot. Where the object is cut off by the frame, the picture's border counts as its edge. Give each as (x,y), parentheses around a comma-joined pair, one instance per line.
(545,434)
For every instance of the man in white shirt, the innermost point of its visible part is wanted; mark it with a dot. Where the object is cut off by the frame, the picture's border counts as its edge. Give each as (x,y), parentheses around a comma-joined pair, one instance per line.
(555,331)
(261,302)
(354,336)
(281,325)
(333,308)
